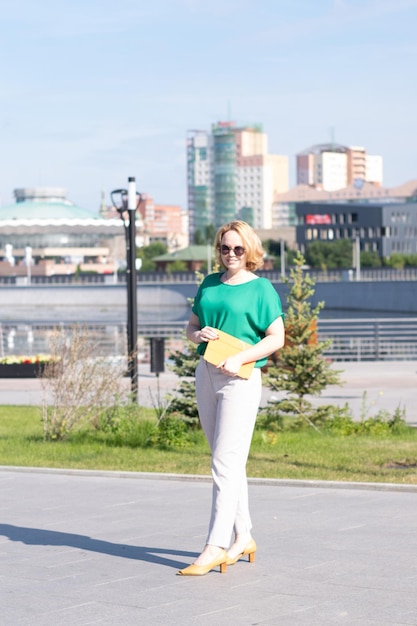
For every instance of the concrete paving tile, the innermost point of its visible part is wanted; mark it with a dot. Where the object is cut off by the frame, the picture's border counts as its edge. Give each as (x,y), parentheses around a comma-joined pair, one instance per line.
(87,548)
(370,606)
(85,614)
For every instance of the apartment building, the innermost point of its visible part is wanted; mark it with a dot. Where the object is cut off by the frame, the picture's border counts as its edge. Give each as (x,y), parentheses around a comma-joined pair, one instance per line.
(231,175)
(333,166)
(166,223)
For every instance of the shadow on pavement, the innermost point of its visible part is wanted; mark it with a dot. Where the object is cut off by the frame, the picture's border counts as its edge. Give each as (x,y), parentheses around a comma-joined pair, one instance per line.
(39,537)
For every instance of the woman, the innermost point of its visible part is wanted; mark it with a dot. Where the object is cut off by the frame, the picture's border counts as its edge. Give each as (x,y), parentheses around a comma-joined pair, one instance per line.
(248,307)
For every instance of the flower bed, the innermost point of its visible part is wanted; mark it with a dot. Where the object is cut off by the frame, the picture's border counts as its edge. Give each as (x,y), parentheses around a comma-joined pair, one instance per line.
(23,366)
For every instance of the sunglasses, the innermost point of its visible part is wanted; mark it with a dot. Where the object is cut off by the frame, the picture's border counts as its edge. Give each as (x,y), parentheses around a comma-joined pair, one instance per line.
(238,250)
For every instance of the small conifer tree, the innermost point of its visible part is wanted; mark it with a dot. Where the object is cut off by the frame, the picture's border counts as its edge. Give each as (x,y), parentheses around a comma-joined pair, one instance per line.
(184,403)
(300,368)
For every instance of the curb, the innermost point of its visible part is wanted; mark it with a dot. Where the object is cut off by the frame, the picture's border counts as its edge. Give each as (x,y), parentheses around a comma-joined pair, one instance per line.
(270,482)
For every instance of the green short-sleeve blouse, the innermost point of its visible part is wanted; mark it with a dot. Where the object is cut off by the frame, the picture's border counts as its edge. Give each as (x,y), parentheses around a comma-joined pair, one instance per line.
(245,310)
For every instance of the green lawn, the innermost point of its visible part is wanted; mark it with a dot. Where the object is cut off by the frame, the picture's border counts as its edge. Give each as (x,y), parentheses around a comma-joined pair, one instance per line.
(300,455)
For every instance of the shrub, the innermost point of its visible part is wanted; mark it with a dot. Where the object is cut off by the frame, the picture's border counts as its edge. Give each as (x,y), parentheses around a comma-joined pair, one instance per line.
(331,419)
(184,403)
(124,425)
(172,432)
(77,387)
(281,416)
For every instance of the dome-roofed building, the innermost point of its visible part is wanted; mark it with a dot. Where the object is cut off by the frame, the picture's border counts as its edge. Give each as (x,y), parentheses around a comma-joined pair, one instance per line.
(44,203)
(62,237)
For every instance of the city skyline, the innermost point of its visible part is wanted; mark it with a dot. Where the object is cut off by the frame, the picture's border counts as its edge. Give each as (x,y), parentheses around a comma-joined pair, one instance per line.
(95,92)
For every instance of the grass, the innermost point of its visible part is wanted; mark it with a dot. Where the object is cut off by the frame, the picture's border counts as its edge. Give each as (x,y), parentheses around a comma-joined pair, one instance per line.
(299,455)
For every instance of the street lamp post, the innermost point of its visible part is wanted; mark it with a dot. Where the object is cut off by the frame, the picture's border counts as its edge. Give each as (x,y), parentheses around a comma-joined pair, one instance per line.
(127,201)
(282,253)
(28,261)
(358,256)
(356,253)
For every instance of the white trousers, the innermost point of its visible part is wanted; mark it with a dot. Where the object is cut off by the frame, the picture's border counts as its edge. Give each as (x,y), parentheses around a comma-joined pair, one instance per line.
(228,407)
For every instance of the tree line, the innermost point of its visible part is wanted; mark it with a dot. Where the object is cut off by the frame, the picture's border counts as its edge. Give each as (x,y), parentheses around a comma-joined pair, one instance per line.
(319,255)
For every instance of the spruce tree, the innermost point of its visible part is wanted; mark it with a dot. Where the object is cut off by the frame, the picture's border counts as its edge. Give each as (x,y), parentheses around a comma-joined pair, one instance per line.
(300,368)
(184,403)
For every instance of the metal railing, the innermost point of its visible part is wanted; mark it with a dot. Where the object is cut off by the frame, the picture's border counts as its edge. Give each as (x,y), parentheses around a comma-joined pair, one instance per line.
(107,339)
(352,339)
(366,275)
(384,339)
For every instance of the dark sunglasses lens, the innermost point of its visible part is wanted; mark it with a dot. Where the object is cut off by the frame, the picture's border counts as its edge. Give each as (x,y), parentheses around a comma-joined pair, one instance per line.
(239,250)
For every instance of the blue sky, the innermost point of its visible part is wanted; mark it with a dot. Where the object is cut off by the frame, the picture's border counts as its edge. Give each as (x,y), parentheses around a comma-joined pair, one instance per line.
(94,91)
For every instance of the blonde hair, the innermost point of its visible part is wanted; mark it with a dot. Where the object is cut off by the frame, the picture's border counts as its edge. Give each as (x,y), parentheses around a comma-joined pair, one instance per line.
(250,240)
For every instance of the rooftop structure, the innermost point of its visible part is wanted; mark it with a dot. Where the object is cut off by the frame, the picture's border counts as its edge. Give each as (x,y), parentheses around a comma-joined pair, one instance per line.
(44,203)
(332,166)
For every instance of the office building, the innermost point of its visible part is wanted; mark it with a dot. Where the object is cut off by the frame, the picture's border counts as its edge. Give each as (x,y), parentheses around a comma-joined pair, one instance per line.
(381,227)
(284,207)
(231,176)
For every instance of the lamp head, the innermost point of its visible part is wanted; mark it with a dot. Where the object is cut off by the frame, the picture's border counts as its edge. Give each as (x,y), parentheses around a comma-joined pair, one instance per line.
(119,198)
(123,202)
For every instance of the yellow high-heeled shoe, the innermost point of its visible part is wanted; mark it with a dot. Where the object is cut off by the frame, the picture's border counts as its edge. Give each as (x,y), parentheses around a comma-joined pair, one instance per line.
(200,570)
(250,550)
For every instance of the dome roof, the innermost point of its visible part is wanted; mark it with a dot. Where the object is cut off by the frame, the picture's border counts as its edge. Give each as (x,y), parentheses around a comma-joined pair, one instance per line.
(44,210)
(43,204)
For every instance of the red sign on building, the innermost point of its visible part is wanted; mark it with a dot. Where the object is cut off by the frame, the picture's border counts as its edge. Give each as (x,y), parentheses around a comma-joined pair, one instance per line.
(318,219)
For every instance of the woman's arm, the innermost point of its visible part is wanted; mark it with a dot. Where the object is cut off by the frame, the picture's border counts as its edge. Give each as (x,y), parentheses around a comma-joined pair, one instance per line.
(196,334)
(274,340)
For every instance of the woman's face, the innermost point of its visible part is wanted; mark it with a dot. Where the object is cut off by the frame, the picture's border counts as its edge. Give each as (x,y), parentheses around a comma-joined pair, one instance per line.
(232,251)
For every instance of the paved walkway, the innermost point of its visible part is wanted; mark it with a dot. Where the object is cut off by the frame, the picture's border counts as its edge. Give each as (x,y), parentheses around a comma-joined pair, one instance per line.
(80,548)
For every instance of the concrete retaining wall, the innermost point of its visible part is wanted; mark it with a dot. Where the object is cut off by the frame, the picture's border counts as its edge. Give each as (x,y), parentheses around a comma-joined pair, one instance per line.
(164,303)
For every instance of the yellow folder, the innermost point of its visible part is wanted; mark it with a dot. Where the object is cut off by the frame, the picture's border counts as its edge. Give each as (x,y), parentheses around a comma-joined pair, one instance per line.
(227,345)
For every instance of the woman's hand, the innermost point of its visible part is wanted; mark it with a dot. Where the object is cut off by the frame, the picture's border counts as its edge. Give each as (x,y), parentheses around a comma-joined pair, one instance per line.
(208,334)
(274,340)
(196,334)
(231,365)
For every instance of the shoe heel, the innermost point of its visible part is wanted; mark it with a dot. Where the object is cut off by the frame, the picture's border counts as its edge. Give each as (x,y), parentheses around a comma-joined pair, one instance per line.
(223,567)
(252,557)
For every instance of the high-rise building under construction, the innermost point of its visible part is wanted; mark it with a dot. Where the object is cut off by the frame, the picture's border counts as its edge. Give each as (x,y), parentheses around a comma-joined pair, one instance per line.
(232,176)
